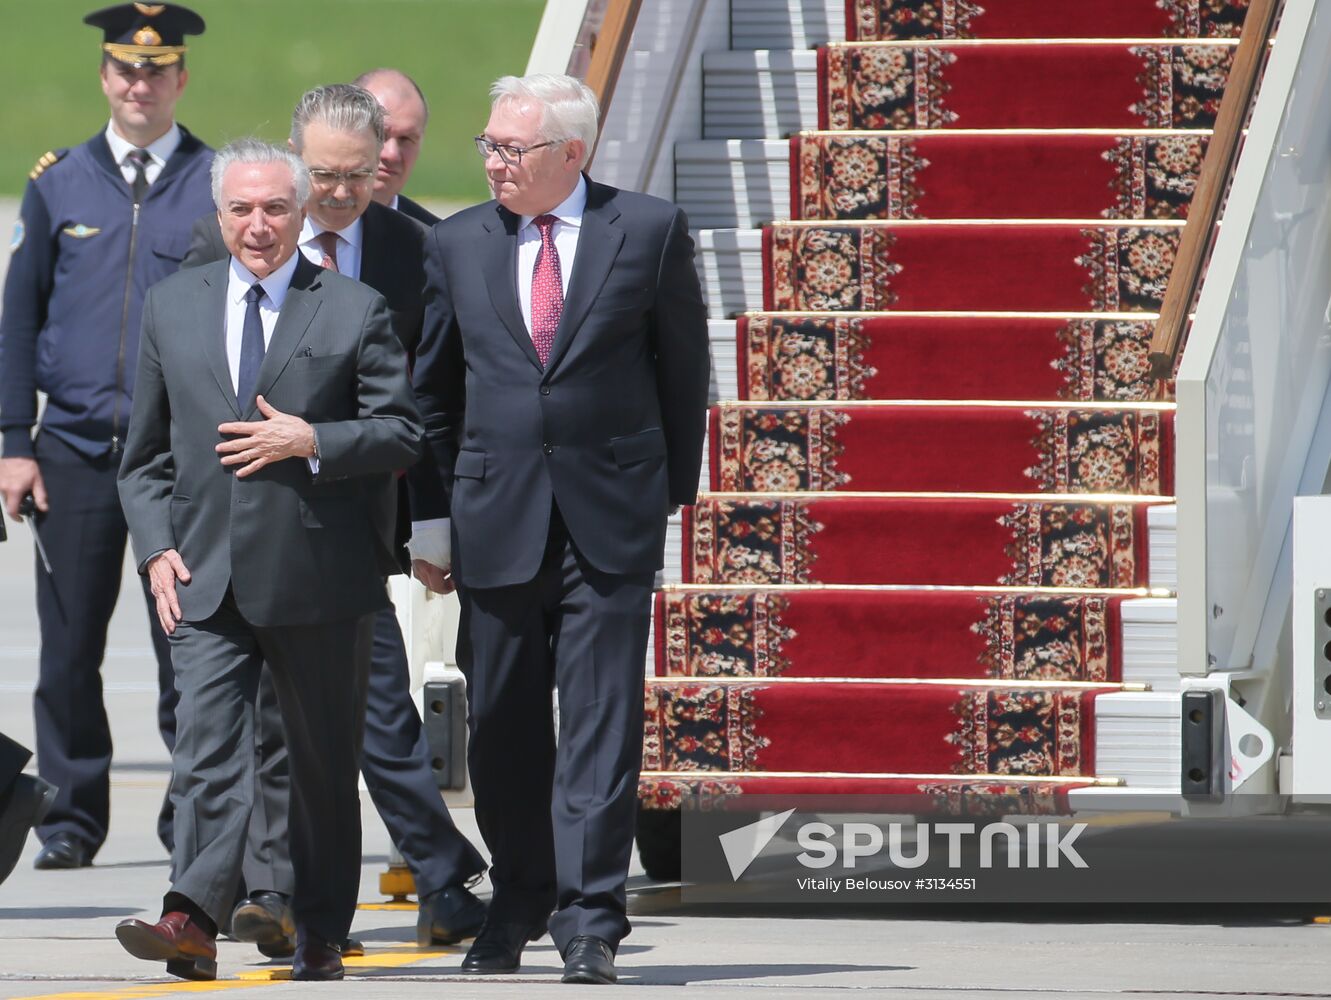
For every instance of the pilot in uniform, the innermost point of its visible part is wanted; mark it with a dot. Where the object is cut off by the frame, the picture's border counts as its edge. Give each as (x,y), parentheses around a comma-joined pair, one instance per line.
(99,223)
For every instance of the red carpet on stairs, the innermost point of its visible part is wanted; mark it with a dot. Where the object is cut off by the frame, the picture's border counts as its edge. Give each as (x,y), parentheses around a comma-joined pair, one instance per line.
(931,501)
(965,267)
(1025,175)
(870,20)
(888,633)
(860,726)
(960,448)
(901,356)
(973,541)
(1018,84)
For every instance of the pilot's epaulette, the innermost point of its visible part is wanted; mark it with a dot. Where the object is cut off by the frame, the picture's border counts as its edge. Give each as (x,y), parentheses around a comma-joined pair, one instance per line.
(47,158)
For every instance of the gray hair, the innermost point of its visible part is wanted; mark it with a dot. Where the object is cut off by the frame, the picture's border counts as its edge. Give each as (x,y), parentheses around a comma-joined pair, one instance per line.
(369,76)
(343,107)
(569,109)
(257,151)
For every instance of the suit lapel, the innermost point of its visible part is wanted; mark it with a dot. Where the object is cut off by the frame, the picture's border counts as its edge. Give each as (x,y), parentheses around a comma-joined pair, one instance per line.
(214,339)
(500,267)
(598,245)
(298,311)
(374,262)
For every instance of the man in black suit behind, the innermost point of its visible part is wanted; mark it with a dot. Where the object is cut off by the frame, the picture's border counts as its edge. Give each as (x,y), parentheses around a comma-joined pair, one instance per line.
(338,131)
(405,116)
(562,378)
(271,410)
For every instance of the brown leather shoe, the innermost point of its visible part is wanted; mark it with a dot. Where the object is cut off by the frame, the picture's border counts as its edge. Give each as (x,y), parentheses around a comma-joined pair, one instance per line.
(189,951)
(316,960)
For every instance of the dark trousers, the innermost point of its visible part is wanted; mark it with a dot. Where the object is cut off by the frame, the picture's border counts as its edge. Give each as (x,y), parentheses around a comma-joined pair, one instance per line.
(558,822)
(396,765)
(319,674)
(84,533)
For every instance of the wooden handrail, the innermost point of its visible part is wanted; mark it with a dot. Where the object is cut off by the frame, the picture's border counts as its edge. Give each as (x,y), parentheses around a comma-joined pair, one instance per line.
(608,48)
(1217,166)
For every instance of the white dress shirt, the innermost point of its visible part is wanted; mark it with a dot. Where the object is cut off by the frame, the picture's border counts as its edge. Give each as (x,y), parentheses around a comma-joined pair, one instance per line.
(348,246)
(238,284)
(566,230)
(159,151)
(275,288)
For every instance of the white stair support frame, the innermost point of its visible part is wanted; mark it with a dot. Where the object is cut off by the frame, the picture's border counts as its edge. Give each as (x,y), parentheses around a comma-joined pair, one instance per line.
(1245,417)
(556,36)
(1312,571)
(1251,391)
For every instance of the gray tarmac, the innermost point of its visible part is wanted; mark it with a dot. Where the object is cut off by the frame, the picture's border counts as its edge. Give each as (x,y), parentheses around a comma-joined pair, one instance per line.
(56,928)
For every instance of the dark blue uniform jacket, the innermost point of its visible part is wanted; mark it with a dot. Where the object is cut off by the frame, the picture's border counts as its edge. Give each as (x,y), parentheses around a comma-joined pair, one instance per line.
(82,261)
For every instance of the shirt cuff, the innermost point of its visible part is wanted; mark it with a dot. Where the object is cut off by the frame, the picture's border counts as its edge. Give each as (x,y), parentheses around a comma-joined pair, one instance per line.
(432,542)
(314,459)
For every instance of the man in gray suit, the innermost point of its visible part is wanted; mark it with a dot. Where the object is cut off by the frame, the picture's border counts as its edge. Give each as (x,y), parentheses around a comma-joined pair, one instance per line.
(339,132)
(272,408)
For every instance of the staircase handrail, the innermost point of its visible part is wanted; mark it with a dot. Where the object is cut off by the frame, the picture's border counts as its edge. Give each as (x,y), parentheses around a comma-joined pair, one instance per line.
(1209,196)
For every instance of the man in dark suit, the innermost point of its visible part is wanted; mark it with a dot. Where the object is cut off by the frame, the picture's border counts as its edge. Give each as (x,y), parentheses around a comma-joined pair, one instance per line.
(338,131)
(405,116)
(562,377)
(272,408)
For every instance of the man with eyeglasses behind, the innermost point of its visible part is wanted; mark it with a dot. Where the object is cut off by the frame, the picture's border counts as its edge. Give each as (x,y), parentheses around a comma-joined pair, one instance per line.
(338,130)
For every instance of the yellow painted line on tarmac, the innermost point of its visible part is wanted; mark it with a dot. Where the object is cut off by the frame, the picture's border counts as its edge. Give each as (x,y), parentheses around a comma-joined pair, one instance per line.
(404,905)
(247,979)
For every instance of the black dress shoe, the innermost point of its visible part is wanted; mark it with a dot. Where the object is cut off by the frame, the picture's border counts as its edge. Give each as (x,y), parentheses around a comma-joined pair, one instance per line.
(589,960)
(498,947)
(448,916)
(63,851)
(22,807)
(264,919)
(316,960)
(353,948)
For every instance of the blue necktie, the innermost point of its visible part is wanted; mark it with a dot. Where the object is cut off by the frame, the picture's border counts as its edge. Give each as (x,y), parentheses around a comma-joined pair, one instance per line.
(251,347)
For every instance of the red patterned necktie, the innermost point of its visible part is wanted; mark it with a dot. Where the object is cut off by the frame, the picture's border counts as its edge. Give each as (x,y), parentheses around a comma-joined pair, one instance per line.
(547,290)
(327,241)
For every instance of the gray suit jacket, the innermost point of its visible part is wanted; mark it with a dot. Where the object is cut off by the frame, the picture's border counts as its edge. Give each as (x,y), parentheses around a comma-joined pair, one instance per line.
(296,549)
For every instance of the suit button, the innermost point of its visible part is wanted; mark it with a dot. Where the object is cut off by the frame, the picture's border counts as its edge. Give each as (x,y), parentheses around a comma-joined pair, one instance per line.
(545,390)
(548,448)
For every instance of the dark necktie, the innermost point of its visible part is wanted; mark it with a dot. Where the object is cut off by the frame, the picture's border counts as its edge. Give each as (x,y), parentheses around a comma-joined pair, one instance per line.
(547,290)
(138,159)
(327,241)
(251,346)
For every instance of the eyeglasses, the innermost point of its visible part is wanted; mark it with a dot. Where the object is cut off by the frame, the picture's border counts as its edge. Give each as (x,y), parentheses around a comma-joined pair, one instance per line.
(331,178)
(512,155)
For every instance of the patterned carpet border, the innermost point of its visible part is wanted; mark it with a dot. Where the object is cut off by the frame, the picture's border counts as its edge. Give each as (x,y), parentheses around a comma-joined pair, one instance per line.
(831,357)
(904,20)
(769,449)
(835,176)
(870,85)
(1014,637)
